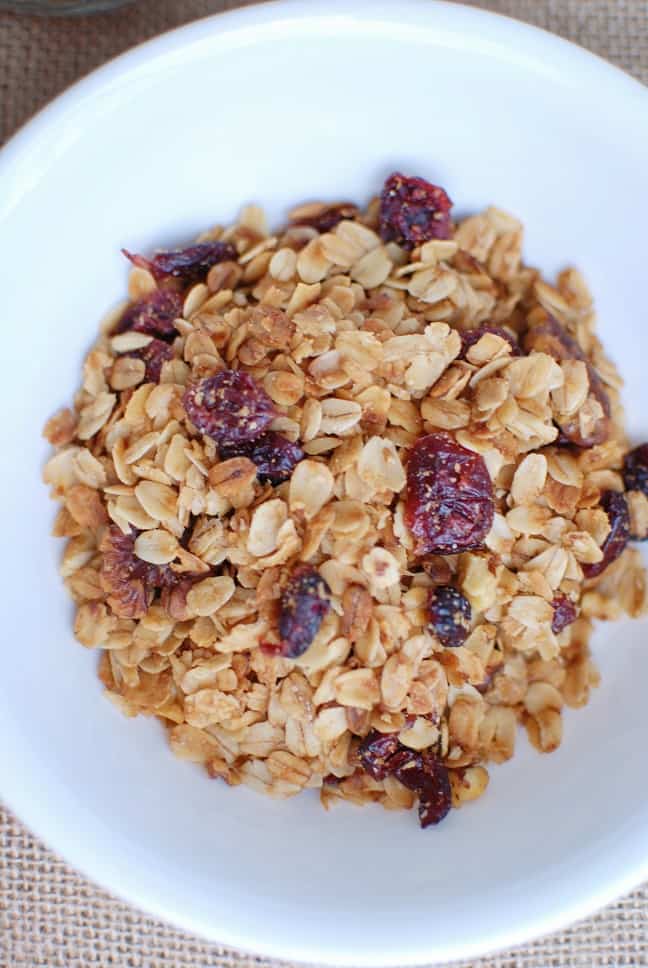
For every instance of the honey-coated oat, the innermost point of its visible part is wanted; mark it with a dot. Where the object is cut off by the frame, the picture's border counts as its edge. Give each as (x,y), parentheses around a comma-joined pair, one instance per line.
(341,503)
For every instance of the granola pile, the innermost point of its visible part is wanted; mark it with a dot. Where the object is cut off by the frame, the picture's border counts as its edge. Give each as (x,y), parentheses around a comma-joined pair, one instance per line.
(342,502)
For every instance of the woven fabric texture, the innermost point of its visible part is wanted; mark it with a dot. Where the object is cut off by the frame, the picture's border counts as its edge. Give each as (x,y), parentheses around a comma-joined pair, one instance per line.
(50,916)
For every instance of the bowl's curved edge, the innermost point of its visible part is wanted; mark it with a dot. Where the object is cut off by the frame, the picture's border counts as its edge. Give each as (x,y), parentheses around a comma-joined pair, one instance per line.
(33,811)
(268,11)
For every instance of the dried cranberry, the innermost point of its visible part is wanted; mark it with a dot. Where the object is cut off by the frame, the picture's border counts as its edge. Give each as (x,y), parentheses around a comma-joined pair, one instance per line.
(564,613)
(382,755)
(376,751)
(616,507)
(427,777)
(331,780)
(449,506)
(304,602)
(329,216)
(153,315)
(230,407)
(450,614)
(550,337)
(553,339)
(154,354)
(635,469)
(275,456)
(189,265)
(471,336)
(413,211)
(129,581)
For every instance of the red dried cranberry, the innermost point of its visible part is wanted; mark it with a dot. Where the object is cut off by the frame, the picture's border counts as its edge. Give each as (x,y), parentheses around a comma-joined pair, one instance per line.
(413,211)
(553,339)
(450,615)
(616,508)
(275,456)
(153,315)
(449,506)
(550,337)
(635,469)
(189,265)
(331,780)
(129,581)
(376,751)
(158,576)
(154,354)
(382,755)
(471,336)
(564,613)
(329,217)
(304,602)
(427,777)
(230,407)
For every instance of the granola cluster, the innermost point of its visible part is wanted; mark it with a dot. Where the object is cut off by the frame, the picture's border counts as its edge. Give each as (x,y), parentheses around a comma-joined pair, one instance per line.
(342,502)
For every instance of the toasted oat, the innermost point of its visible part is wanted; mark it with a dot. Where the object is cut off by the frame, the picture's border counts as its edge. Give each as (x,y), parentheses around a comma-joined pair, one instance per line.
(186,561)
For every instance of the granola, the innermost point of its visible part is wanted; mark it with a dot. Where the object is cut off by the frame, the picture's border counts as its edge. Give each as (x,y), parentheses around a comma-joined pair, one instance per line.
(341,503)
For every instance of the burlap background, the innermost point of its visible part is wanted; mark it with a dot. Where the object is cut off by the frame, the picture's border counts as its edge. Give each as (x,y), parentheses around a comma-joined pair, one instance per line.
(50,917)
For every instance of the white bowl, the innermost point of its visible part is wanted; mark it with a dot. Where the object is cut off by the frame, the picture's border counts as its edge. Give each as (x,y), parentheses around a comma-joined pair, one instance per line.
(277,104)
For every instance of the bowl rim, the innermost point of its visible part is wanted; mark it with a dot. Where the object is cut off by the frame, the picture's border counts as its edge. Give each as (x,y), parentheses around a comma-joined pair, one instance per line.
(492,29)
(265,12)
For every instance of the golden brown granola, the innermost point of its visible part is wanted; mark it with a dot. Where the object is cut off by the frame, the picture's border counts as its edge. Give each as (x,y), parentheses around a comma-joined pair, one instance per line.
(180,550)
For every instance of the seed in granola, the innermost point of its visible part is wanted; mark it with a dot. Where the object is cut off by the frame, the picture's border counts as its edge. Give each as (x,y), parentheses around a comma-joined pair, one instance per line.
(565,612)
(153,315)
(188,265)
(383,755)
(449,506)
(450,615)
(304,602)
(635,469)
(413,211)
(471,336)
(275,457)
(230,407)
(548,336)
(616,508)
(154,354)
(326,217)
